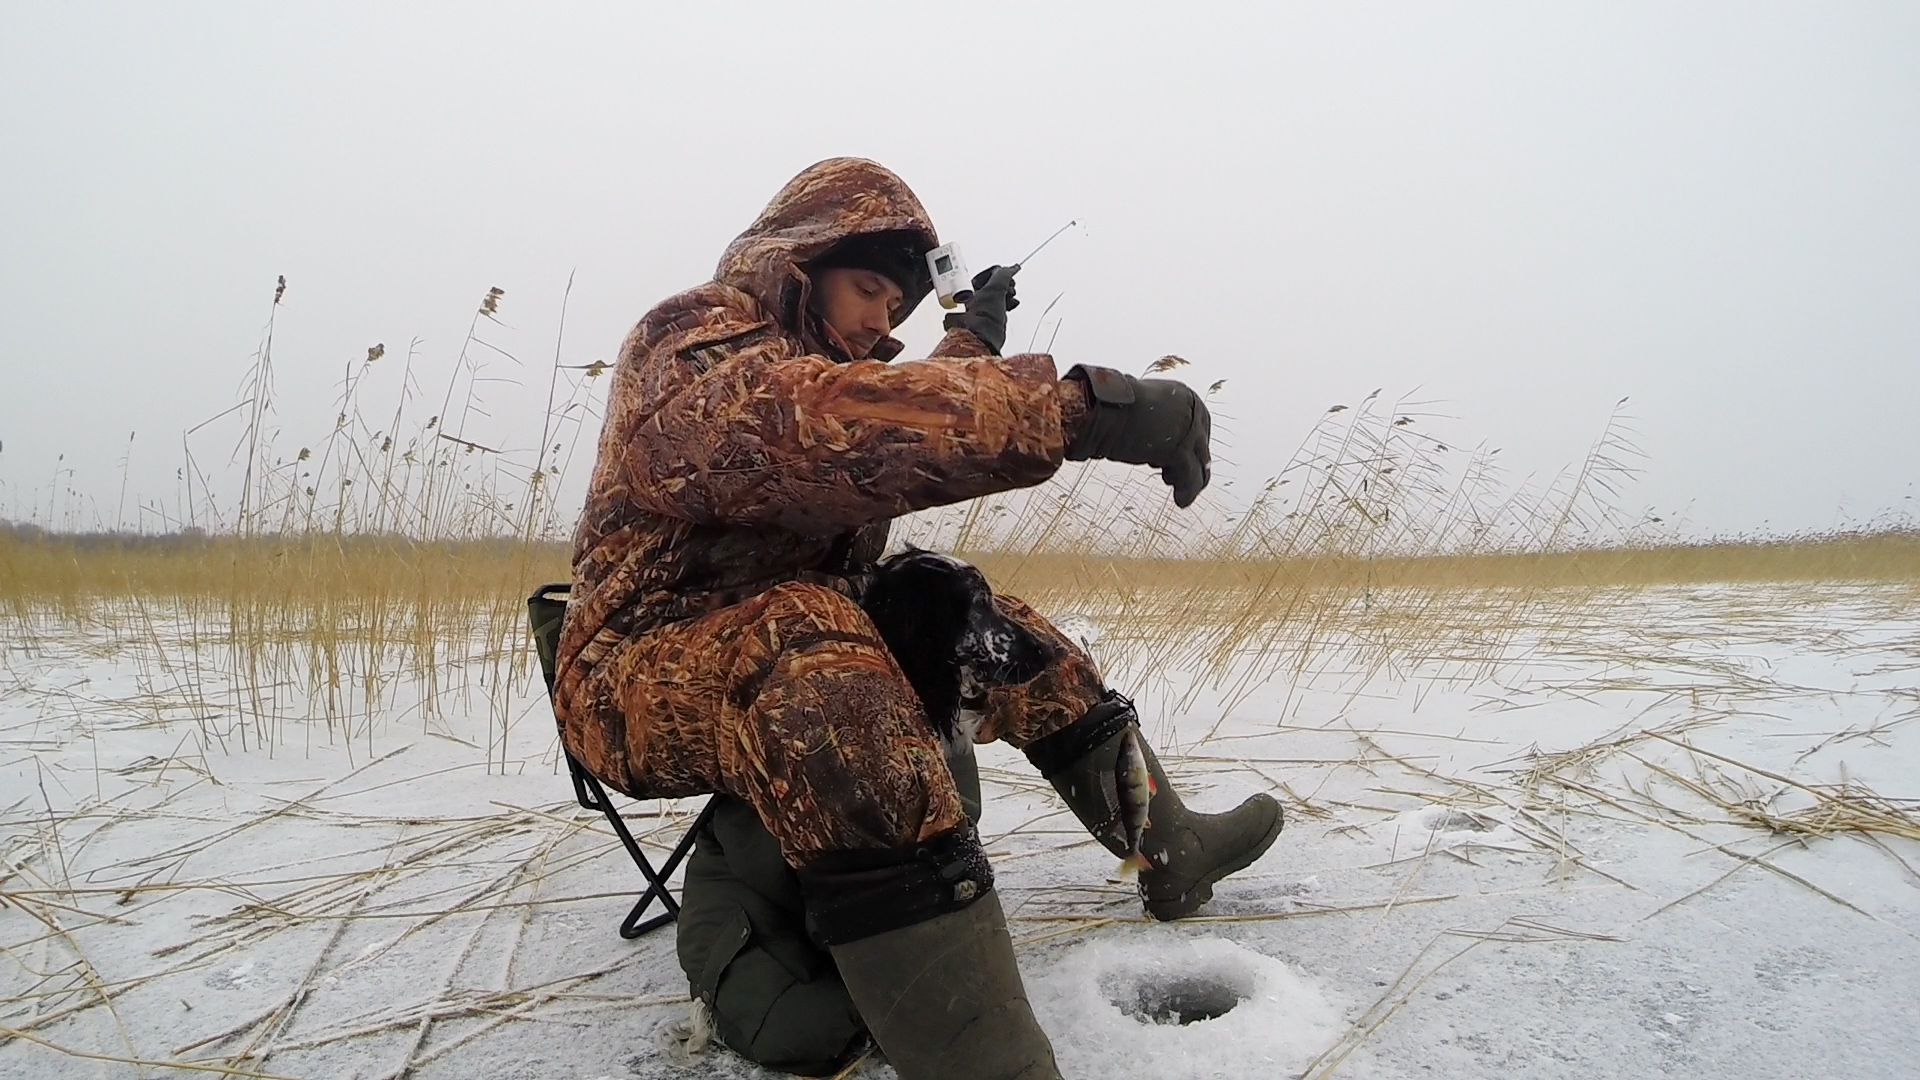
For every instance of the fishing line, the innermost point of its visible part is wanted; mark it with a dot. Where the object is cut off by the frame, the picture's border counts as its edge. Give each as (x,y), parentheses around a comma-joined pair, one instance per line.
(1044,243)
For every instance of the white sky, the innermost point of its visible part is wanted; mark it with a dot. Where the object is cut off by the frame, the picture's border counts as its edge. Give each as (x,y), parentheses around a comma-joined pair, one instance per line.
(1523,212)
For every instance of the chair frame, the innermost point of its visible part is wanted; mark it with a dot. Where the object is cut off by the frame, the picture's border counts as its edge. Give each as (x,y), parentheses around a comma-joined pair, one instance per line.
(592,795)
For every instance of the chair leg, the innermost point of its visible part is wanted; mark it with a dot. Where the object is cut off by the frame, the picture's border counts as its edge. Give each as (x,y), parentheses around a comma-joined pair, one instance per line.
(631,927)
(592,796)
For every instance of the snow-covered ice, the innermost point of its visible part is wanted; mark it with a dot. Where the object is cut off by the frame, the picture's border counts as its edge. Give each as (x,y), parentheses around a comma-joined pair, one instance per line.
(1619,854)
(1139,1008)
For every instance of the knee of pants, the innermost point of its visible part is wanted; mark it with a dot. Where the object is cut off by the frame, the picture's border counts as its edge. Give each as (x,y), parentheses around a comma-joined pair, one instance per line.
(841,756)
(765,1015)
(776,997)
(826,737)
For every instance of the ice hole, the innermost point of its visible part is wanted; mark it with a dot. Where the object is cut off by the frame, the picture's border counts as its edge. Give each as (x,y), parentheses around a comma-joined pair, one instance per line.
(1179,997)
(1158,1003)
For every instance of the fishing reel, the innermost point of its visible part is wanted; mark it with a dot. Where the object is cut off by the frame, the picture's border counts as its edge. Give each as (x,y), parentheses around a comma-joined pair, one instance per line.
(951,282)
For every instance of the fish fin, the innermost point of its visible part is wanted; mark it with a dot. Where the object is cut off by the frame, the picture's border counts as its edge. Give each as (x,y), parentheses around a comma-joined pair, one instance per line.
(1134,863)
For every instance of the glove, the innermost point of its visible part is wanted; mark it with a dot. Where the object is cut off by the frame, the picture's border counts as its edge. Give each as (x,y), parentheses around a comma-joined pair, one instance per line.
(987,307)
(1156,422)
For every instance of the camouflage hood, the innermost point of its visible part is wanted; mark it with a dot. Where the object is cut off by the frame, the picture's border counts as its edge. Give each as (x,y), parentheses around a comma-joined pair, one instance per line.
(826,204)
(739,452)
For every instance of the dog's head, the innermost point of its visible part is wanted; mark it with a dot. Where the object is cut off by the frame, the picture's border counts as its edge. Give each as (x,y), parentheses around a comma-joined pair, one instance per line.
(936,615)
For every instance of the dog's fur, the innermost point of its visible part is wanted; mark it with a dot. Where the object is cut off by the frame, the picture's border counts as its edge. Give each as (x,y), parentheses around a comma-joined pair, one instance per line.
(937,617)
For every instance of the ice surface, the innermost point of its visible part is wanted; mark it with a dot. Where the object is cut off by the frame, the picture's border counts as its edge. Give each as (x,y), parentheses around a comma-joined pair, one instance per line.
(1520,875)
(1447,828)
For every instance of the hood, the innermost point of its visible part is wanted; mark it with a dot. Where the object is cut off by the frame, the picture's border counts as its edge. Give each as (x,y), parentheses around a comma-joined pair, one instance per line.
(828,202)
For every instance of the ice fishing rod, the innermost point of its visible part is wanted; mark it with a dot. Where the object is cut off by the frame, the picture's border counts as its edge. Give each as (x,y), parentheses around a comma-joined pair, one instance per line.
(1044,243)
(951,282)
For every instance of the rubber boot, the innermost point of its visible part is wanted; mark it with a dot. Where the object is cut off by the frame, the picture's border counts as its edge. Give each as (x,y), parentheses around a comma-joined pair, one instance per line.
(922,944)
(1187,851)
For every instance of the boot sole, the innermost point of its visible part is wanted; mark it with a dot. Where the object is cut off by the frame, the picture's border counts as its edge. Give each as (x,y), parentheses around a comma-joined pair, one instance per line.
(1202,891)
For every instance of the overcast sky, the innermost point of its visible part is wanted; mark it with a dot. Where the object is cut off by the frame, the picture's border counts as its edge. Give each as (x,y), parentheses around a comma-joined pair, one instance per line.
(1522,212)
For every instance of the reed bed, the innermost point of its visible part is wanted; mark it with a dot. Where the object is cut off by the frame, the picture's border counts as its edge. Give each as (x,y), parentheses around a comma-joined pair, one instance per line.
(69,576)
(349,567)
(339,629)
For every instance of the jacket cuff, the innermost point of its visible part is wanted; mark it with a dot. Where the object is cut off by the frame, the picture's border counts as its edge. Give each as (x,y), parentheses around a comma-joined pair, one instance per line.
(959,344)
(1104,385)
(1107,395)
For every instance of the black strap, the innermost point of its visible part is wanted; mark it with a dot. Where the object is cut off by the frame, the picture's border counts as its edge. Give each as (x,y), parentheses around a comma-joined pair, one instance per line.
(852,895)
(840,556)
(1054,754)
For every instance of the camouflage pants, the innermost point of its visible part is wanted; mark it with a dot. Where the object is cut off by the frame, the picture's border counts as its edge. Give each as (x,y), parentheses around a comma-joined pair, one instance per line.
(790,701)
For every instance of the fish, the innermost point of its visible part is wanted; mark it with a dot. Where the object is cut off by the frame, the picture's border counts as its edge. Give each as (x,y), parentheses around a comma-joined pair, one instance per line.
(1133,783)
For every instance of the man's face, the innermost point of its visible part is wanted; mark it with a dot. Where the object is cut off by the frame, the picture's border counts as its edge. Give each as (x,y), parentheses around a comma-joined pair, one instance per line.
(858,305)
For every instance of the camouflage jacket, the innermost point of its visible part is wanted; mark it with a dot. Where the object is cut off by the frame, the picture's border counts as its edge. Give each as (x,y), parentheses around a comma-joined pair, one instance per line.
(742,447)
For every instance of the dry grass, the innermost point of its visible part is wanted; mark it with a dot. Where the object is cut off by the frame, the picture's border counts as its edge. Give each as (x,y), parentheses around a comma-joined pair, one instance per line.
(313,579)
(372,557)
(344,620)
(1892,556)
(69,577)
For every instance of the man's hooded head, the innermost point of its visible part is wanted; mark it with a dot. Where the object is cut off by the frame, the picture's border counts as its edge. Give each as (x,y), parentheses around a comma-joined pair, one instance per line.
(839,212)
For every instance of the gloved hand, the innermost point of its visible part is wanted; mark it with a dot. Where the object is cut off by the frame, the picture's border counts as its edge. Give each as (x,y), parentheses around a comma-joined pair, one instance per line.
(1157,422)
(987,307)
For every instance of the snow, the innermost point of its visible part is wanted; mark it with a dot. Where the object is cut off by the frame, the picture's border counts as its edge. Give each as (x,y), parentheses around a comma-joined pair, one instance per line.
(1508,874)
(1113,997)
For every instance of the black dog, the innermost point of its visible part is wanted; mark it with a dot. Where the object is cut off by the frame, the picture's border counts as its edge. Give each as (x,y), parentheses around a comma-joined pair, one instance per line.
(937,617)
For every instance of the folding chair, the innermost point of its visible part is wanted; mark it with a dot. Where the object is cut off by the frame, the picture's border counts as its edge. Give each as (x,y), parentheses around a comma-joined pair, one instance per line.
(544,610)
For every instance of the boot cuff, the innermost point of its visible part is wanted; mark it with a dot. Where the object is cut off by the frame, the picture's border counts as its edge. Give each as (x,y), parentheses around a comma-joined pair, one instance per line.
(1055,753)
(856,894)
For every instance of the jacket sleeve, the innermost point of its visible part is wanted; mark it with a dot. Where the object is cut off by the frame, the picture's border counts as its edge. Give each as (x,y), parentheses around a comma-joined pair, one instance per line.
(746,430)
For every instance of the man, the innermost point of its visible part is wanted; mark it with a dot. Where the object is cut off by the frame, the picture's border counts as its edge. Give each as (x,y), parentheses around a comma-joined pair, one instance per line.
(756,445)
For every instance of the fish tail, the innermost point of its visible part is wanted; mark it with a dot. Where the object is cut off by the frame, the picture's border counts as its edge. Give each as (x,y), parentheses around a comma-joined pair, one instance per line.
(1135,862)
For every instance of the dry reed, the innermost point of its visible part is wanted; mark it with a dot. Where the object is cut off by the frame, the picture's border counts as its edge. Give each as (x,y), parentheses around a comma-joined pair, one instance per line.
(393,553)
